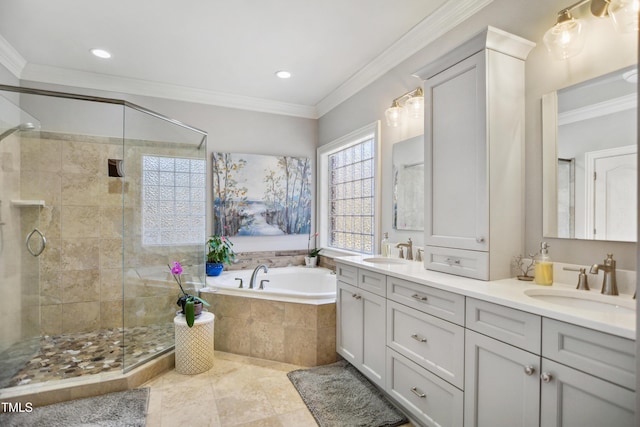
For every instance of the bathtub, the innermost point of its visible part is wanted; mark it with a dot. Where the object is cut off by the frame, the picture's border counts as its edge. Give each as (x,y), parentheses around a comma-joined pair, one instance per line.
(291,320)
(287,284)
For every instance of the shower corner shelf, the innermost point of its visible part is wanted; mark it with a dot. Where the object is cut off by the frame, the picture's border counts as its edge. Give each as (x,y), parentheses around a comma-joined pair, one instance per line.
(20,203)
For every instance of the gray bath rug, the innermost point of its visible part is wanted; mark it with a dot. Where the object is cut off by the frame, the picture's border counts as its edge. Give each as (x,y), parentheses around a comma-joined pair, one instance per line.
(338,395)
(124,408)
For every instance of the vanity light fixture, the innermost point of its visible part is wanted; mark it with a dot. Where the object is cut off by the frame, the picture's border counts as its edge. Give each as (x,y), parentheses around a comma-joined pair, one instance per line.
(566,38)
(101,53)
(413,106)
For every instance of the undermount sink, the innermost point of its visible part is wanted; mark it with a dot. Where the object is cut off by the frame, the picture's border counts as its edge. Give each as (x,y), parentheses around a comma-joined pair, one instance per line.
(585,300)
(383,260)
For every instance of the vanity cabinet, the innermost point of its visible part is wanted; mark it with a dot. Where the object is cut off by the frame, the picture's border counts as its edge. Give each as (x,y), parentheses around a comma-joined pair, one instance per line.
(474,141)
(524,370)
(502,366)
(360,320)
(588,377)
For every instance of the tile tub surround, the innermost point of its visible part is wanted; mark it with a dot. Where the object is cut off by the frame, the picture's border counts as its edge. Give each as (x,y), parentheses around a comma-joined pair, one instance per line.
(302,334)
(510,292)
(249,260)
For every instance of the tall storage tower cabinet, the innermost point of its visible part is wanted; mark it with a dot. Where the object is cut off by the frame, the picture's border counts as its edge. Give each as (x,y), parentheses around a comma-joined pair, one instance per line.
(474,156)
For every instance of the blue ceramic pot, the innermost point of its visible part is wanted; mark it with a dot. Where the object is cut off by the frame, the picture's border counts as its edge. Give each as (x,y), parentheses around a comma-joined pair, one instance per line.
(214,268)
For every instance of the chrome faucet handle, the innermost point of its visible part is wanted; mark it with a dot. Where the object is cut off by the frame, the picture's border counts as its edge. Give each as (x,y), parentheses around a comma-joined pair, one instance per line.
(583,283)
(401,252)
(419,253)
(262,283)
(239,278)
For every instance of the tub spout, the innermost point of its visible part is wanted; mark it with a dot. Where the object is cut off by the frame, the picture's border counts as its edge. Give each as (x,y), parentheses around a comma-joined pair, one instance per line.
(252,282)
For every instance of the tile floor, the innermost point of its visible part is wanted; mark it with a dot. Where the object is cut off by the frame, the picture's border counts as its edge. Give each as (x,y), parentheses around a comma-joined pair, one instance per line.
(237,391)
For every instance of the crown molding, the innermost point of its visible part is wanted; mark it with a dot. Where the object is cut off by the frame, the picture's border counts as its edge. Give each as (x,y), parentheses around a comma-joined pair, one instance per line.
(11,58)
(593,111)
(97,81)
(448,16)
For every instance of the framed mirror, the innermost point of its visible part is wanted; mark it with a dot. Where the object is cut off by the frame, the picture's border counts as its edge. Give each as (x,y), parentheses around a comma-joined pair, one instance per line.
(408,184)
(590,159)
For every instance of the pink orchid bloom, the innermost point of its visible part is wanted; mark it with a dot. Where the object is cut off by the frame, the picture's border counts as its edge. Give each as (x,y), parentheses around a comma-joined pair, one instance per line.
(176,269)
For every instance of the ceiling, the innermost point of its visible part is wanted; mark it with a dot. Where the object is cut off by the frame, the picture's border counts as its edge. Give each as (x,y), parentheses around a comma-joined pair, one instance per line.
(223,53)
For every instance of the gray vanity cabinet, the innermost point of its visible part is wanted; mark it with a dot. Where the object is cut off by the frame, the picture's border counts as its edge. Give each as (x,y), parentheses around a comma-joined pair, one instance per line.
(588,377)
(360,323)
(474,139)
(502,385)
(502,366)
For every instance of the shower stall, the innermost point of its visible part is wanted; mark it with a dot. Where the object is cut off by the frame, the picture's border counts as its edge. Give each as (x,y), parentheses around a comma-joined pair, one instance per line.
(97,197)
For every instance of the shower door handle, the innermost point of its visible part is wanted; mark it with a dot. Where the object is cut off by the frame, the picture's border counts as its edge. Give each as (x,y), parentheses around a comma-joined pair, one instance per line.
(39,251)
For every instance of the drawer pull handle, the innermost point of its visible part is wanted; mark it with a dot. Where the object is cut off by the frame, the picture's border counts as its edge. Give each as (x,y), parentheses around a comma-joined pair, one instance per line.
(419,297)
(480,239)
(418,393)
(546,377)
(418,338)
(356,296)
(453,261)
(529,370)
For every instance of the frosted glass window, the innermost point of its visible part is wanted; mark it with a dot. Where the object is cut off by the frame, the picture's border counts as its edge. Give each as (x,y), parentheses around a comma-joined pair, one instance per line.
(351,198)
(173,194)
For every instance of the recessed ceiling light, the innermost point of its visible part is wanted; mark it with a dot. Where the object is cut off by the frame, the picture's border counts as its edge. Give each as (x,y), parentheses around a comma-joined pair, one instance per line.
(101,53)
(283,74)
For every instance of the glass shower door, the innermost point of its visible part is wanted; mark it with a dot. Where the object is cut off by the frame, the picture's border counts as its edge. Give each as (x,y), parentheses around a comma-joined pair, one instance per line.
(21,243)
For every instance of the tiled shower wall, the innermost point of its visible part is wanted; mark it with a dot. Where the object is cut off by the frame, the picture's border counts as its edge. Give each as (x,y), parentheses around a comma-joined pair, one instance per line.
(81,274)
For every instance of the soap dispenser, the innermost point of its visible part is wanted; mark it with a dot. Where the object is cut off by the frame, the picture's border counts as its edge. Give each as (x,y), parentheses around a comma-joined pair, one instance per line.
(385,246)
(543,269)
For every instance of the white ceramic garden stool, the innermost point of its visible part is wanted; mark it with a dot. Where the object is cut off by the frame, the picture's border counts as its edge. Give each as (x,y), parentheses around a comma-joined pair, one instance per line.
(194,346)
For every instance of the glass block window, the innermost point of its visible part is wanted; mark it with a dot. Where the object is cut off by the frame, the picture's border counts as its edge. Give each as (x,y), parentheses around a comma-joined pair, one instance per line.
(173,200)
(351,198)
(348,192)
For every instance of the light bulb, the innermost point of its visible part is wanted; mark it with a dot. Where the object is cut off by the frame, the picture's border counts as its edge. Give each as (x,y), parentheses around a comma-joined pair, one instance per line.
(566,38)
(624,14)
(415,106)
(394,114)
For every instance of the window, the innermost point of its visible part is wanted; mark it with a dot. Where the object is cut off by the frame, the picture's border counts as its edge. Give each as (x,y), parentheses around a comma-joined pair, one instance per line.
(348,171)
(173,200)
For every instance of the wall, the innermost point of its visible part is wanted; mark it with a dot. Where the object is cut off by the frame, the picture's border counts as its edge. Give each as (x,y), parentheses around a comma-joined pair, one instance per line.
(529,20)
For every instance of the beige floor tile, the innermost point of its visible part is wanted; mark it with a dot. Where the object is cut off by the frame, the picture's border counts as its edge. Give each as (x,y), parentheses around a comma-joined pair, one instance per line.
(299,418)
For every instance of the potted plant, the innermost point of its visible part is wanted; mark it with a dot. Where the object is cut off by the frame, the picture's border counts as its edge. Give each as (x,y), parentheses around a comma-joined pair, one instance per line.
(311,259)
(191,305)
(219,252)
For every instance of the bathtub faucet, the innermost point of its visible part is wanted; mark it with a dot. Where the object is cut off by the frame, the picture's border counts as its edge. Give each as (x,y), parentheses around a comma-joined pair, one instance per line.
(252,282)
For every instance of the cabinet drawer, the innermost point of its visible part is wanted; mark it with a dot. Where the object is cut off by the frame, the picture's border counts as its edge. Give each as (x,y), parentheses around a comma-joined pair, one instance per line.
(473,264)
(443,304)
(505,324)
(372,282)
(347,274)
(596,353)
(431,400)
(433,343)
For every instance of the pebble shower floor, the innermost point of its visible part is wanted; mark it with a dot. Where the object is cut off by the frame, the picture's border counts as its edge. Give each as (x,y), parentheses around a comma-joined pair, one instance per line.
(74,355)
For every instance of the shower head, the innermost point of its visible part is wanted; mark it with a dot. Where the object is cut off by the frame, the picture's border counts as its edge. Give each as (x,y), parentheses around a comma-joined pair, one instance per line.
(20,128)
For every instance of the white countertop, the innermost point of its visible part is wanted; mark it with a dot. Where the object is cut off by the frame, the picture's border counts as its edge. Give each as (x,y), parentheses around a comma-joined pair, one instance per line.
(507,292)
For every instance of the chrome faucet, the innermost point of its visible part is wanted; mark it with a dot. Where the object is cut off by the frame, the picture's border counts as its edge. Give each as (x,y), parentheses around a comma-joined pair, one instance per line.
(409,246)
(252,282)
(609,284)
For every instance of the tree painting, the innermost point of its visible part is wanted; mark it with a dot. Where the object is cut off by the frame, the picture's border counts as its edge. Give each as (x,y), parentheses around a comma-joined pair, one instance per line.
(257,195)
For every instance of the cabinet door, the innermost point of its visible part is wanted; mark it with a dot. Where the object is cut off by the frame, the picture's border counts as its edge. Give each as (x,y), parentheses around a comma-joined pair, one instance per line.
(502,384)
(571,398)
(456,157)
(349,323)
(374,336)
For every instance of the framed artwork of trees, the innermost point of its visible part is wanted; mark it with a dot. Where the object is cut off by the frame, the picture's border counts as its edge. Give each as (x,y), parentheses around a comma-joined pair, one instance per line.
(259,195)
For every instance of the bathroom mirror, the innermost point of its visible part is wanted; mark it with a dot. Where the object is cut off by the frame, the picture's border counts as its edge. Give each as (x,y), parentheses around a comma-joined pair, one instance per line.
(589,159)
(408,184)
